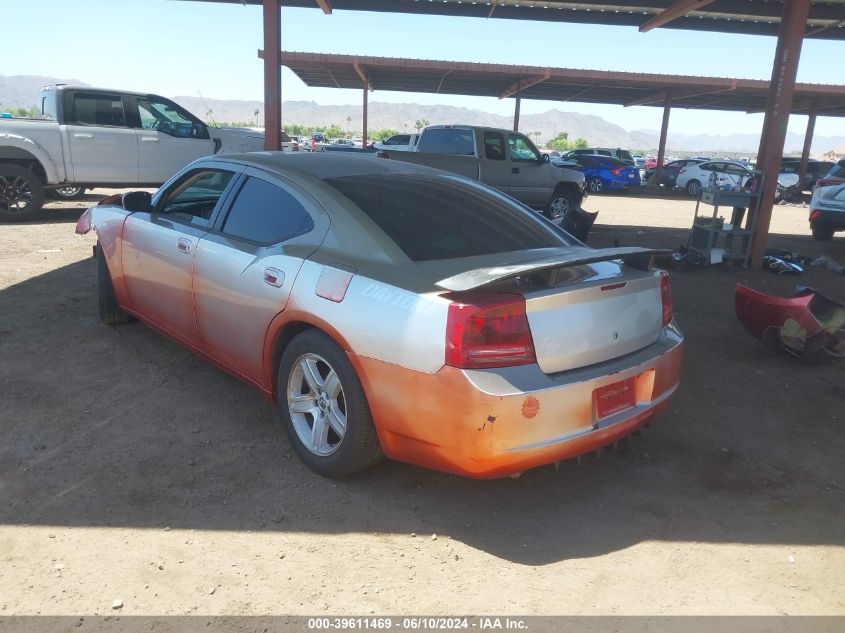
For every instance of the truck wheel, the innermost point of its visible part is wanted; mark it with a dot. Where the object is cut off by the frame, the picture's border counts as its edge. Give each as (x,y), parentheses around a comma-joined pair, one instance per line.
(822,232)
(563,200)
(110,312)
(21,193)
(70,192)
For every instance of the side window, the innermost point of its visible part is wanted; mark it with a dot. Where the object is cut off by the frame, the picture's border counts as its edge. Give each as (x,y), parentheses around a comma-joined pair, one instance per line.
(521,151)
(494,146)
(193,198)
(98,109)
(603,152)
(267,214)
(169,119)
(447,141)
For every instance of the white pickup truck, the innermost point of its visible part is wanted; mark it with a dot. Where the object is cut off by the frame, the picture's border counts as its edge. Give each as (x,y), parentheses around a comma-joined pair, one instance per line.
(503,159)
(90,137)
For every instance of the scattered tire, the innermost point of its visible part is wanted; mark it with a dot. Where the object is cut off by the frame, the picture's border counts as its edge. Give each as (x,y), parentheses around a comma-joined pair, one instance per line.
(323,407)
(693,188)
(71,192)
(21,193)
(110,312)
(822,232)
(595,185)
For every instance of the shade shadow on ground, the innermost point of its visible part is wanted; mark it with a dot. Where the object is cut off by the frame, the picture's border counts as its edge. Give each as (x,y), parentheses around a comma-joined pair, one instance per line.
(121,427)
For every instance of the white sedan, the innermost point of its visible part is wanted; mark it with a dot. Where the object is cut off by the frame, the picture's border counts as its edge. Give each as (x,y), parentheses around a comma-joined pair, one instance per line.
(728,173)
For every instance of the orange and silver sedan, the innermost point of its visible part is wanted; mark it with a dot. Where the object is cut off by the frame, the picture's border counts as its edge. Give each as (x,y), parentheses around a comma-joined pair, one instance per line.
(389,309)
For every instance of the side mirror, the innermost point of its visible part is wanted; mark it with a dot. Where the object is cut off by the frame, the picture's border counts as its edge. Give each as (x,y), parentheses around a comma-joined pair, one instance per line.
(545,158)
(138,201)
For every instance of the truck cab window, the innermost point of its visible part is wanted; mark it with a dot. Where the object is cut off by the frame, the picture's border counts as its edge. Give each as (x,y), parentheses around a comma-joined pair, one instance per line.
(494,146)
(98,109)
(169,119)
(521,150)
(457,141)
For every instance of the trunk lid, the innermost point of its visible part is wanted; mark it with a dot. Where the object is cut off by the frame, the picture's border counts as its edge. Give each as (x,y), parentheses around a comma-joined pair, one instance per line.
(584,306)
(590,322)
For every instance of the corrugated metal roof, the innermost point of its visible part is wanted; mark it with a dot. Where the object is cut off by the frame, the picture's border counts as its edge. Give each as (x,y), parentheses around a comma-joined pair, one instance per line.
(750,17)
(553,84)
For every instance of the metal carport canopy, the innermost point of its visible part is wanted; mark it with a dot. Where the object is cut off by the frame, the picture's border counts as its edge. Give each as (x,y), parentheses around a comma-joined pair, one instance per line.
(553,84)
(791,21)
(748,17)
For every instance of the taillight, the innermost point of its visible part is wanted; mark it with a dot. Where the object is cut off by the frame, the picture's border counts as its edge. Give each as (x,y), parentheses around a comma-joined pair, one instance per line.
(814,214)
(665,298)
(617,171)
(489,331)
(827,182)
(683,169)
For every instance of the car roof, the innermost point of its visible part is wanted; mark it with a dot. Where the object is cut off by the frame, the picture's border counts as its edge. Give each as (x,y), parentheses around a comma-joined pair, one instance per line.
(325,165)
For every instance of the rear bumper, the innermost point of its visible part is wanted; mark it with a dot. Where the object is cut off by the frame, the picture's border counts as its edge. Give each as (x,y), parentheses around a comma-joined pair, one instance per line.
(835,219)
(494,423)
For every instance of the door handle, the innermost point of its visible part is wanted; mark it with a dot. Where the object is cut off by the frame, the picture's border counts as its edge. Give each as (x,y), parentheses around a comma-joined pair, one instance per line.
(82,135)
(514,170)
(274,277)
(149,139)
(184,245)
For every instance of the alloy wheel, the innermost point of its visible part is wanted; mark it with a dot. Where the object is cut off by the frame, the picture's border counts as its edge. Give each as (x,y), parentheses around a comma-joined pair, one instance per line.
(558,207)
(15,194)
(317,404)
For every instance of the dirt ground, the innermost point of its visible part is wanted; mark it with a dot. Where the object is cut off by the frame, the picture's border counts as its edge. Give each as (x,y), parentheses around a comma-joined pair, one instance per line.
(130,470)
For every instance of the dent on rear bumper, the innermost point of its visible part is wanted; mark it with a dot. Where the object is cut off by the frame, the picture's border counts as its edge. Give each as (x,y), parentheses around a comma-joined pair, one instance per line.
(494,423)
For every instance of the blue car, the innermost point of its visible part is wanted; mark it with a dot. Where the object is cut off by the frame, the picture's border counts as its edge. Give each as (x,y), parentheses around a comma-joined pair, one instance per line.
(604,173)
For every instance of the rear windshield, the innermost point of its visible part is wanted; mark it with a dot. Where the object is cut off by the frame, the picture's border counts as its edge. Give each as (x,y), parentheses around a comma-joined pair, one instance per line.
(447,141)
(624,155)
(442,217)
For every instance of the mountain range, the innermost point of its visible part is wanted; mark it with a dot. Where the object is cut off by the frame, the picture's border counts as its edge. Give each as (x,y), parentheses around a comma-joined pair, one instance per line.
(20,91)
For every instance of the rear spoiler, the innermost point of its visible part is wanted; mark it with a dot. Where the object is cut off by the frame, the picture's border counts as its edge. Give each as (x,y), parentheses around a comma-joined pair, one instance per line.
(634,256)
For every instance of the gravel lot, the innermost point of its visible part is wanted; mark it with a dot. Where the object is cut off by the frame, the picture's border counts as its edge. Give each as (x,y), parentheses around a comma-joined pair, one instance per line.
(130,470)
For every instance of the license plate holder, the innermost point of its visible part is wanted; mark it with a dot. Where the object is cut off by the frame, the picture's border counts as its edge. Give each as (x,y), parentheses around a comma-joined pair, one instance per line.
(615,397)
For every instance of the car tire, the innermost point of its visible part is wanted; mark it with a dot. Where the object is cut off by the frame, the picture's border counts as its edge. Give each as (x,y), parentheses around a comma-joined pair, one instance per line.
(21,193)
(693,188)
(110,312)
(563,201)
(317,384)
(70,192)
(822,232)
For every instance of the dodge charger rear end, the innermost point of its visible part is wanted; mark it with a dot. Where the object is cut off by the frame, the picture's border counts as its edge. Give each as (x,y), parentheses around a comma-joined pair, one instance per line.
(388,309)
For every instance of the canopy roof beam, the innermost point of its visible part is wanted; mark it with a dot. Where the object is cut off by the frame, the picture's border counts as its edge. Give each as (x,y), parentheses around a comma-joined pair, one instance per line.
(522,84)
(677,10)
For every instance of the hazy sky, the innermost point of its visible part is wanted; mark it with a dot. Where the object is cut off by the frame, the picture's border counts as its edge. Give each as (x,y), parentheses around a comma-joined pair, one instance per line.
(174,47)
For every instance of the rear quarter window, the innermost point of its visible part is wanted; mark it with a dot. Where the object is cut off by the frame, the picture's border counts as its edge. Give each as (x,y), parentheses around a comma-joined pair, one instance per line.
(447,141)
(442,217)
